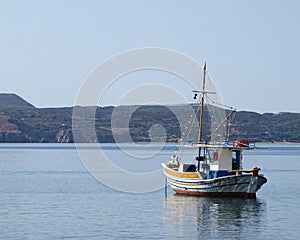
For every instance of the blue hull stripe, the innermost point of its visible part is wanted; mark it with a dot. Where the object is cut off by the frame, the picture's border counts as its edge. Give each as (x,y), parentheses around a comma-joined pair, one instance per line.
(207,187)
(209,181)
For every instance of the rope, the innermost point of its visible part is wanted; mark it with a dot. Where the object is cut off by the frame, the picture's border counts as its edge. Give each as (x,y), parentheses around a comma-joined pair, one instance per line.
(219,104)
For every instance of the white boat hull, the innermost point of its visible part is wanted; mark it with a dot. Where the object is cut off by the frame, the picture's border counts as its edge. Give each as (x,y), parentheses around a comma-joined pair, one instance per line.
(243,185)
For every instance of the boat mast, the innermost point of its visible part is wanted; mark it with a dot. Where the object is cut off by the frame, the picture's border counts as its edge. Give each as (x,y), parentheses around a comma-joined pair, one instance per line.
(201,116)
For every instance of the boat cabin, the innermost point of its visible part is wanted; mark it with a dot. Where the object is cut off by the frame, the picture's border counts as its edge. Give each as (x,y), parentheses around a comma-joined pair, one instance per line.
(216,161)
(221,161)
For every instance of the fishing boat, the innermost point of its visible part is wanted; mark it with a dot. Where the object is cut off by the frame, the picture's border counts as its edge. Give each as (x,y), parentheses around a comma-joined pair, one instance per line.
(216,168)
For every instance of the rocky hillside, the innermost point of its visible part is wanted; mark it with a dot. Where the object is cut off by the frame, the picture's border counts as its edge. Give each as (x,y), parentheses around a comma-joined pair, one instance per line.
(13,101)
(22,122)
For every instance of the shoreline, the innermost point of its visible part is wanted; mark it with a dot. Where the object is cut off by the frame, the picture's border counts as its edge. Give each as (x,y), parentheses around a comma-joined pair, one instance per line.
(134,143)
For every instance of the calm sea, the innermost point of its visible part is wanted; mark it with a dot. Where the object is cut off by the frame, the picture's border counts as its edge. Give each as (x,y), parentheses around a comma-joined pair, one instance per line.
(46,193)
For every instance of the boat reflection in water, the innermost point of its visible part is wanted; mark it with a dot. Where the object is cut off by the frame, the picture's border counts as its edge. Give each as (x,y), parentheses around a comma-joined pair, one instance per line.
(208,218)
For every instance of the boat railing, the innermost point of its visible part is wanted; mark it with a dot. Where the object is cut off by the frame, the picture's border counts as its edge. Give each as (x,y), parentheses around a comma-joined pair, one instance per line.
(232,145)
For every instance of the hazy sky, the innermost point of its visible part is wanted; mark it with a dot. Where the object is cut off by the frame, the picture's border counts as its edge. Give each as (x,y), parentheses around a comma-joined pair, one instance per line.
(252,48)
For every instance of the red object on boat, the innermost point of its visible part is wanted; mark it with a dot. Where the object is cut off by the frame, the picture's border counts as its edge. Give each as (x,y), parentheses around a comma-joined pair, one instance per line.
(241,143)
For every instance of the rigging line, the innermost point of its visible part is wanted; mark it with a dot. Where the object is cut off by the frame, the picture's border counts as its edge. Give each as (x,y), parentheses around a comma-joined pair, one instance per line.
(188,133)
(180,150)
(193,120)
(219,104)
(233,120)
(229,126)
(221,125)
(225,107)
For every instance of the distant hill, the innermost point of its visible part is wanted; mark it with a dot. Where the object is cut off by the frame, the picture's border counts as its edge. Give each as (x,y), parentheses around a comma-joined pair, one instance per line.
(22,122)
(13,101)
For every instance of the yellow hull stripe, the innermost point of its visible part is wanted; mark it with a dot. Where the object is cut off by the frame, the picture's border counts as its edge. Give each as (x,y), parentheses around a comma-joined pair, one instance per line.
(181,175)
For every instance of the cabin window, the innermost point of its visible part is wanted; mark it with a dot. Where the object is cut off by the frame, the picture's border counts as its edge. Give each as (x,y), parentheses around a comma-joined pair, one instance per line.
(212,156)
(215,156)
(189,168)
(236,160)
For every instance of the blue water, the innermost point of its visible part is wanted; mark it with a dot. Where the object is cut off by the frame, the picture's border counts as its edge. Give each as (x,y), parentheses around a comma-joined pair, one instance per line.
(46,193)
